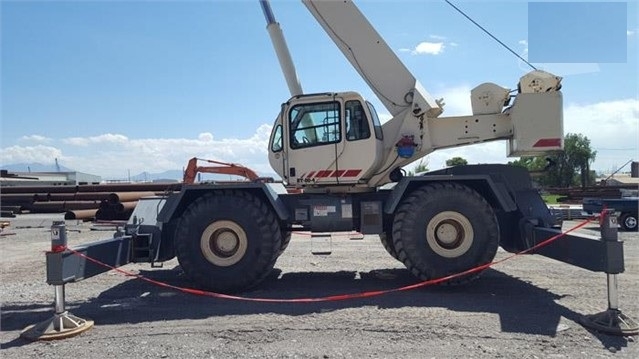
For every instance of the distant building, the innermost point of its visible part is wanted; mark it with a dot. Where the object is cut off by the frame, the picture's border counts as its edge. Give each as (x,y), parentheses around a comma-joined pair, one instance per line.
(47,178)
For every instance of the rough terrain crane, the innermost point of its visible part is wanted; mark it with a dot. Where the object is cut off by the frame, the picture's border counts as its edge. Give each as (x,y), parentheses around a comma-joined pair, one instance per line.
(334,147)
(347,166)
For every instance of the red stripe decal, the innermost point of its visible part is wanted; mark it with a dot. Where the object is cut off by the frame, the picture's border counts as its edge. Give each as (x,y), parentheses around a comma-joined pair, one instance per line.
(310,174)
(338,173)
(352,173)
(323,173)
(548,142)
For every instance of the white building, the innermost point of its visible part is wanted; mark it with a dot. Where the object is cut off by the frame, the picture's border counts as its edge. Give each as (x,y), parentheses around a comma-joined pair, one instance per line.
(47,178)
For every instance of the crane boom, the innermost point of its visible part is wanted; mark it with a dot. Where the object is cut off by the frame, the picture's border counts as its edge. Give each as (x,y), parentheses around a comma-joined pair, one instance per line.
(281,50)
(374,60)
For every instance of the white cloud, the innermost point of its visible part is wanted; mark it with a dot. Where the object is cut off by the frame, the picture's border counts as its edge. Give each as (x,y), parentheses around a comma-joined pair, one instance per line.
(114,155)
(35,138)
(428,48)
(453,44)
(205,137)
(28,154)
(457,100)
(106,138)
(630,32)
(611,126)
(437,37)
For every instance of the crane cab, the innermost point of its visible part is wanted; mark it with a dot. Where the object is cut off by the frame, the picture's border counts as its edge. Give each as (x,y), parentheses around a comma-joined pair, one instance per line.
(326,139)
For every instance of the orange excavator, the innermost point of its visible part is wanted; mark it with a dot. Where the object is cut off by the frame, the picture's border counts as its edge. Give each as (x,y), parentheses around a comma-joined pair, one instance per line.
(192,169)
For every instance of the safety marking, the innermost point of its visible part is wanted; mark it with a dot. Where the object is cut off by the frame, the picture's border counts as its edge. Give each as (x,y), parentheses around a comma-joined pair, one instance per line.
(334,297)
(548,142)
(331,173)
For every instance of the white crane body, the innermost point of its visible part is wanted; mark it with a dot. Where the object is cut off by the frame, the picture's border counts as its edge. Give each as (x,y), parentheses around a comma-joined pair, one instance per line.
(532,125)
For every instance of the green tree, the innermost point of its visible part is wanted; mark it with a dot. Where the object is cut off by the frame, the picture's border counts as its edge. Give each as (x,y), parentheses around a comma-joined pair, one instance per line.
(568,168)
(422,166)
(456,161)
(579,156)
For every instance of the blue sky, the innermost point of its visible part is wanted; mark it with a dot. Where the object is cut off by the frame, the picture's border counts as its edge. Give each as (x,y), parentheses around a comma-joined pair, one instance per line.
(111,87)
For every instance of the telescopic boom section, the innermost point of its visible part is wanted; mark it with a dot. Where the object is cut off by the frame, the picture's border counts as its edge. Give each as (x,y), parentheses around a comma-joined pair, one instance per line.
(369,54)
(281,50)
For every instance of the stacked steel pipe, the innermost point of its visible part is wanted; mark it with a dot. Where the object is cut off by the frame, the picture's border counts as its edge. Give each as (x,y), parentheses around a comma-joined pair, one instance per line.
(103,202)
(576,195)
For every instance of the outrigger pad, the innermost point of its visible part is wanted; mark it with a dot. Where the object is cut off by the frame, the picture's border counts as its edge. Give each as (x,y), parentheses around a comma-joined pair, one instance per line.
(612,321)
(60,326)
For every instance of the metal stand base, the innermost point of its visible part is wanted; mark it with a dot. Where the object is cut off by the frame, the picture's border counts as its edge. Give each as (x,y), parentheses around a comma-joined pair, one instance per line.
(612,321)
(60,326)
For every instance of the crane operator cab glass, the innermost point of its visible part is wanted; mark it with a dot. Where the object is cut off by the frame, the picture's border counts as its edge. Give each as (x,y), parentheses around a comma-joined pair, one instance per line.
(326,139)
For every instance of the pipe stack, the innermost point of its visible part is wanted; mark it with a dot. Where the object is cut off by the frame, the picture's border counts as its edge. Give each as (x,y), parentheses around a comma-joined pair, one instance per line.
(87,202)
(120,205)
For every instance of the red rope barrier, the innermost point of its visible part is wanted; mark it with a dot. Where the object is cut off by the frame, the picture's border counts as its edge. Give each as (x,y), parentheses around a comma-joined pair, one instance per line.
(334,297)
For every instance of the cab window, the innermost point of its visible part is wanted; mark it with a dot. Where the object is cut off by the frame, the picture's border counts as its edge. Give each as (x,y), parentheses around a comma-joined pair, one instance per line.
(276,139)
(376,124)
(315,124)
(356,121)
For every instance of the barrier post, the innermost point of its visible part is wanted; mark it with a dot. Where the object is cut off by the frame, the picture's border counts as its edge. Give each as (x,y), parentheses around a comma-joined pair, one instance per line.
(612,320)
(63,324)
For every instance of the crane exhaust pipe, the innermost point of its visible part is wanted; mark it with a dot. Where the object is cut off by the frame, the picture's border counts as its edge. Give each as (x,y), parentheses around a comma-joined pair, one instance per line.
(281,50)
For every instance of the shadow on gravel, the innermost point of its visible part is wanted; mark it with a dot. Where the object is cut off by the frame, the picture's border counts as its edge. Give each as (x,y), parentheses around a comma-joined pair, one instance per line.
(521,307)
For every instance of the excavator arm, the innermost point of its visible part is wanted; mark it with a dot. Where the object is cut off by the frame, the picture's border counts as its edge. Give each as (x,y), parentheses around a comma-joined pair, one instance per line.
(192,169)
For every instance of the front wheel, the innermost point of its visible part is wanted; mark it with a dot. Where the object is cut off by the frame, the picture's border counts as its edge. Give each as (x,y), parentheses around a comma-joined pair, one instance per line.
(628,221)
(227,241)
(445,228)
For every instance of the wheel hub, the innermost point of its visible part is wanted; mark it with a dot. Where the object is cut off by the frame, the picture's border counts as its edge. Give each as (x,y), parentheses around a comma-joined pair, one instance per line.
(630,222)
(449,234)
(223,243)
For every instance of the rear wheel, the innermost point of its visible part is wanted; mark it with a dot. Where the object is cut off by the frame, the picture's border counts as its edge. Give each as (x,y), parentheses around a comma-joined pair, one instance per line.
(628,221)
(286,239)
(387,242)
(445,228)
(227,241)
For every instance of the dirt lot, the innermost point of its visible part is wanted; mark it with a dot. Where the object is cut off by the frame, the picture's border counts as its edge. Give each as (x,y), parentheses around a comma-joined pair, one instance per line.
(527,307)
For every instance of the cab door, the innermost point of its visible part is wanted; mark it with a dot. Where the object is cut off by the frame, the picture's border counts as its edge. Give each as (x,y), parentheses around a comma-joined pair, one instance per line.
(277,152)
(314,142)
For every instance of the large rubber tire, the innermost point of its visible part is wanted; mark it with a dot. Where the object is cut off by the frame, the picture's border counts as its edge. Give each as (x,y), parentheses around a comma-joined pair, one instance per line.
(445,228)
(286,239)
(228,241)
(389,246)
(628,221)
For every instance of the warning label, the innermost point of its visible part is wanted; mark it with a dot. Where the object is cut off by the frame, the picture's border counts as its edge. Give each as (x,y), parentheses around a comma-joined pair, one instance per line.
(323,211)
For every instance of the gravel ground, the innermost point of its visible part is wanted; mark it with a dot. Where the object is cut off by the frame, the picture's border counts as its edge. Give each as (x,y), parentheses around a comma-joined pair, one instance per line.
(528,307)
